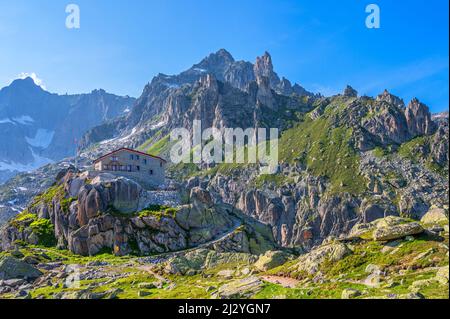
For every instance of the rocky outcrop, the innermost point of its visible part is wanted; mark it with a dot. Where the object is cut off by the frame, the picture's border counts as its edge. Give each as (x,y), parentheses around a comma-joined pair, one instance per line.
(241,288)
(396,231)
(418,118)
(272,259)
(386,229)
(391,99)
(350,92)
(193,262)
(434,216)
(13,268)
(113,213)
(310,263)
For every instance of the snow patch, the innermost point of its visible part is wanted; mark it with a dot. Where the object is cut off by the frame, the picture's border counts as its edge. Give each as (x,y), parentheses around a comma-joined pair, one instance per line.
(38,161)
(172,85)
(158,125)
(24,119)
(3,121)
(42,139)
(126,137)
(106,141)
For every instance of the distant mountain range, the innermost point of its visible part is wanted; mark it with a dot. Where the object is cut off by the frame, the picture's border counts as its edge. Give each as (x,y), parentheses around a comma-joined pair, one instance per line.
(38,127)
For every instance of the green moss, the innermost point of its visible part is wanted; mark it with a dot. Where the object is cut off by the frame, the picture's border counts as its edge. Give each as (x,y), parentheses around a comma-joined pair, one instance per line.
(45,231)
(276,179)
(23,218)
(379,152)
(54,192)
(158,211)
(66,202)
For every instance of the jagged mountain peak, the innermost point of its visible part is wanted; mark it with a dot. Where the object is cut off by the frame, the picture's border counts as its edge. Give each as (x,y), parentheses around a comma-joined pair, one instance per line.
(264,67)
(219,60)
(26,84)
(390,98)
(350,92)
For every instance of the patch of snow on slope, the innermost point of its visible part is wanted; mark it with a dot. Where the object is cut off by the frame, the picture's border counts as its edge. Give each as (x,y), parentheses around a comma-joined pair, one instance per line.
(4,121)
(107,141)
(158,125)
(38,161)
(24,119)
(42,139)
(125,138)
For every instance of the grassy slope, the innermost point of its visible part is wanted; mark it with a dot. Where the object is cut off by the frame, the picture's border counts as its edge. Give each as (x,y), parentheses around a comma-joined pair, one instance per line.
(323,149)
(405,263)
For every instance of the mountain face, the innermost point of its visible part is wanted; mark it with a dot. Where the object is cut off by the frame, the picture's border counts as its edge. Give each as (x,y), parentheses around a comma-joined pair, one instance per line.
(219,91)
(343,159)
(38,127)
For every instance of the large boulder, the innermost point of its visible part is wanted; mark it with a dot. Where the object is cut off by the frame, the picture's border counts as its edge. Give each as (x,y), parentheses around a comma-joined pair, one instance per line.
(13,268)
(442,275)
(385,229)
(202,259)
(350,293)
(203,219)
(242,288)
(271,259)
(311,262)
(397,231)
(435,216)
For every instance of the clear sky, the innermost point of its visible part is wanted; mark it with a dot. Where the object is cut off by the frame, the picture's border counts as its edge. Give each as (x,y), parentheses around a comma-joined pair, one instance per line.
(323,45)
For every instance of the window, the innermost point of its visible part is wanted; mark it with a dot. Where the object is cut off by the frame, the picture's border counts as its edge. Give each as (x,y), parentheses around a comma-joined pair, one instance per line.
(145,161)
(151,172)
(131,157)
(138,168)
(137,157)
(114,158)
(160,164)
(106,167)
(129,168)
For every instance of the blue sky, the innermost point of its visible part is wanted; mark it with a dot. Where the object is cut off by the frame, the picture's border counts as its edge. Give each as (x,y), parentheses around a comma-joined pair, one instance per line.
(323,45)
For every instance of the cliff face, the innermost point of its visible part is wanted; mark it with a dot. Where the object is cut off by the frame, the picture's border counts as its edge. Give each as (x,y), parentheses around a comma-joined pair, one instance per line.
(350,160)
